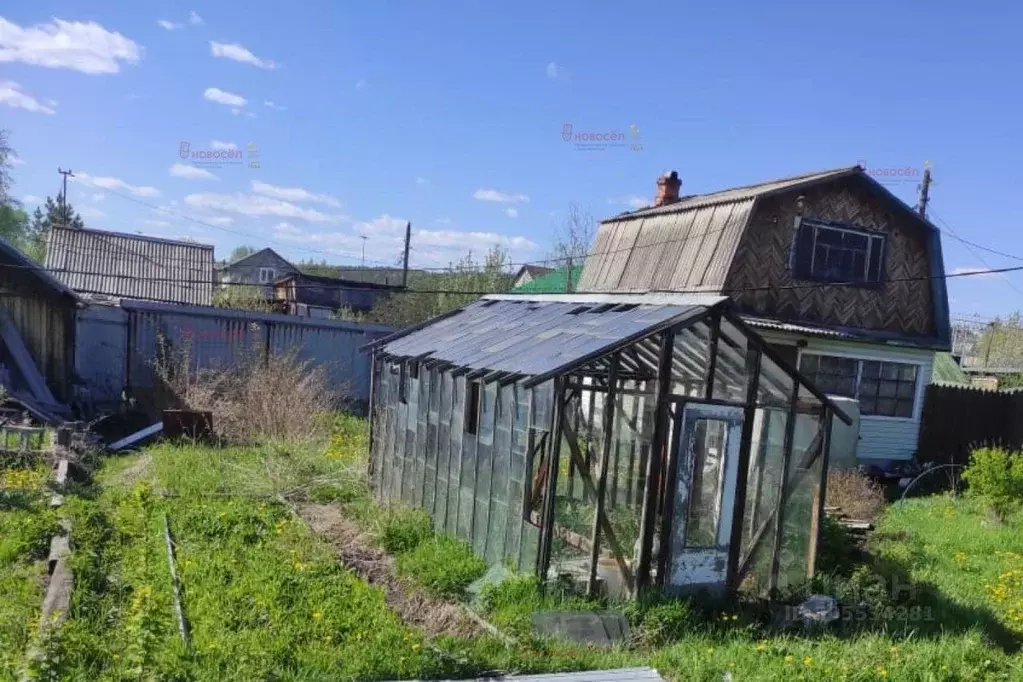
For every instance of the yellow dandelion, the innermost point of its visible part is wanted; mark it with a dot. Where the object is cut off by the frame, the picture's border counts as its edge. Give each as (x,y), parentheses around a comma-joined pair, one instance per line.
(808,661)
(788,659)
(881,671)
(317,615)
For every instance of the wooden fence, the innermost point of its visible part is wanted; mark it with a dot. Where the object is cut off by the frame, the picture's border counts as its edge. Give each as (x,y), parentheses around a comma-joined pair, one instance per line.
(957,419)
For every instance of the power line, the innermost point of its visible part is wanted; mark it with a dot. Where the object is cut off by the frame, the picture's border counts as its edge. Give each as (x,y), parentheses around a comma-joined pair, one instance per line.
(786,287)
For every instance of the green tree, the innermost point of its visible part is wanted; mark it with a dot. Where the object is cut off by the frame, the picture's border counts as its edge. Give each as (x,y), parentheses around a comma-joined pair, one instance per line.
(1001,343)
(249,297)
(433,293)
(240,252)
(7,156)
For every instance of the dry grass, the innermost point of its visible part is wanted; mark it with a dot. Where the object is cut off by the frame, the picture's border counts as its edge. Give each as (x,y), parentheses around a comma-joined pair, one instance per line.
(276,399)
(856,494)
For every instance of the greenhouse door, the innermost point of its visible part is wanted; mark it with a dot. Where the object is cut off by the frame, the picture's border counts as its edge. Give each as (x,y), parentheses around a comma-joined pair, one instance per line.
(707,464)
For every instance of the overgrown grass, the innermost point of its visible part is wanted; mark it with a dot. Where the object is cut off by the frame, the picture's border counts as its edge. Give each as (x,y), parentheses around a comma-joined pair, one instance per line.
(268,600)
(26,525)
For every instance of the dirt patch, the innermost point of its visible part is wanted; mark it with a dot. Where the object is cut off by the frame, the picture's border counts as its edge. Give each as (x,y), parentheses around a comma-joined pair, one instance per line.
(140,470)
(356,550)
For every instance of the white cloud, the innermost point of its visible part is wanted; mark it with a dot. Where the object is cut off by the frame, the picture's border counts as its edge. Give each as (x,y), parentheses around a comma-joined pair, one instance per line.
(500,197)
(157,223)
(194,19)
(90,212)
(386,235)
(117,183)
(292,194)
(257,205)
(218,145)
(269,103)
(220,220)
(443,220)
(16,160)
(553,70)
(422,181)
(77,45)
(511,212)
(13,96)
(239,53)
(360,84)
(169,25)
(31,199)
(971,271)
(633,201)
(241,112)
(99,196)
(183,170)
(223,97)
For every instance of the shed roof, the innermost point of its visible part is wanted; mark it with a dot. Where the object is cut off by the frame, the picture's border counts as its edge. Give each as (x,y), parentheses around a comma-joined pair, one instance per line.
(551,282)
(13,256)
(540,336)
(131,265)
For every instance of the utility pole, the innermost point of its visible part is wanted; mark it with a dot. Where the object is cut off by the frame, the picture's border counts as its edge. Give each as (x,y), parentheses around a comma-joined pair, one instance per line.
(63,196)
(363,238)
(404,266)
(925,189)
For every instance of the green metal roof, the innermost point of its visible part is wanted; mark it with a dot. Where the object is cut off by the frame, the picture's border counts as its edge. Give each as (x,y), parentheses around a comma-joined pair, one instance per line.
(551,283)
(946,371)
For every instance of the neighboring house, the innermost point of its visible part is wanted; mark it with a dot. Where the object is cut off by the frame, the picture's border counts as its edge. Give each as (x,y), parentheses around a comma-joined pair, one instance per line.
(313,296)
(262,269)
(552,282)
(132,266)
(838,274)
(529,273)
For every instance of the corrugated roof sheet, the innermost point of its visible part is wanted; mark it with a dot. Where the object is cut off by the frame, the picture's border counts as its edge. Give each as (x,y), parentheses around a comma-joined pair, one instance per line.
(535,337)
(685,246)
(131,266)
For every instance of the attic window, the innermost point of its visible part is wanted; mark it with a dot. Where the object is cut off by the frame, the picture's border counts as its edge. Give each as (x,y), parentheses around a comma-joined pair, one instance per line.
(625,307)
(838,253)
(578,311)
(267,275)
(603,308)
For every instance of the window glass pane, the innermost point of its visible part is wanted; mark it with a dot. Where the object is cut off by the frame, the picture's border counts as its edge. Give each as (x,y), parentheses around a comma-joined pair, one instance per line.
(708,454)
(871,370)
(907,372)
(843,254)
(904,408)
(890,370)
(906,390)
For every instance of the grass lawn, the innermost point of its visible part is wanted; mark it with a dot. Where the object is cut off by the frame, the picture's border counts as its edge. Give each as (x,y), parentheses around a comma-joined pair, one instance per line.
(940,597)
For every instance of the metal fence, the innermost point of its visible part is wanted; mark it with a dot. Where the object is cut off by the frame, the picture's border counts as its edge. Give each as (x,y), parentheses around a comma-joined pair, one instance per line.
(116,345)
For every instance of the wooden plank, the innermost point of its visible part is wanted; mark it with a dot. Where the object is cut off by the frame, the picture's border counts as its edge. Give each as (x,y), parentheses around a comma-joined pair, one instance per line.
(605,458)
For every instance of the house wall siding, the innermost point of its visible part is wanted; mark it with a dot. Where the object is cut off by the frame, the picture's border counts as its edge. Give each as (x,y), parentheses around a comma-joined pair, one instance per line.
(761,283)
(880,437)
(247,271)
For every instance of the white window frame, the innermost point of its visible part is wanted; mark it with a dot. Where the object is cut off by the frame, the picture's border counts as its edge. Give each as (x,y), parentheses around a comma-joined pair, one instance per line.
(267,280)
(874,241)
(917,390)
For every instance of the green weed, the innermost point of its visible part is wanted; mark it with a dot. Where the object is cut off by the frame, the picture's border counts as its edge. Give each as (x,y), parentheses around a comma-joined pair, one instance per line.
(443,565)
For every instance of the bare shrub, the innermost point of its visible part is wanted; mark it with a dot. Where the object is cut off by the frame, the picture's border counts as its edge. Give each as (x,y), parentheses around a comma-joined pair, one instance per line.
(855,493)
(275,399)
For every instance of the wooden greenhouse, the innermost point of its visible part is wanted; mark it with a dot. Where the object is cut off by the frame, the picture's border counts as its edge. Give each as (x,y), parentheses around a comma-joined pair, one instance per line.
(620,441)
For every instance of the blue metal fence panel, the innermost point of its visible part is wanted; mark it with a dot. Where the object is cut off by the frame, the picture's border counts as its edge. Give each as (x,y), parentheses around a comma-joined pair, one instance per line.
(101,346)
(214,338)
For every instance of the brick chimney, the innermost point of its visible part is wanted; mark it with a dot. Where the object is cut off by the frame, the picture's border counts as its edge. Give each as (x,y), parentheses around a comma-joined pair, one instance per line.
(668,186)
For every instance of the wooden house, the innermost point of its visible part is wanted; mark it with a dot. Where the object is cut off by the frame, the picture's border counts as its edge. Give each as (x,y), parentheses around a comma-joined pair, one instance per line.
(843,279)
(578,435)
(315,296)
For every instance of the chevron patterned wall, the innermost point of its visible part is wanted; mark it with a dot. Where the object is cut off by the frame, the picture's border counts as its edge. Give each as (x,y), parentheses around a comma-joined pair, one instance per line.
(762,256)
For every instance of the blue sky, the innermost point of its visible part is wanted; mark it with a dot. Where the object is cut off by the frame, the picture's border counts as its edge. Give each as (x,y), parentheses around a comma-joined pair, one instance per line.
(450,115)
